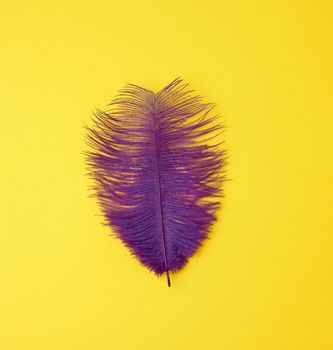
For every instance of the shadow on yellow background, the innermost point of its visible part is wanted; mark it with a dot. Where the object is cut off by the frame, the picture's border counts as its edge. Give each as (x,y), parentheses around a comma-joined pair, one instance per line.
(264,279)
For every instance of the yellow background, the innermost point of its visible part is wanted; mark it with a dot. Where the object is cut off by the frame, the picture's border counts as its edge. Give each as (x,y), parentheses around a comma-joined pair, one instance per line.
(264,279)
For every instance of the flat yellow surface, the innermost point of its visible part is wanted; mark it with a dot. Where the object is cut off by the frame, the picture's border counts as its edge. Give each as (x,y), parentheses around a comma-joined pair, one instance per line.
(264,279)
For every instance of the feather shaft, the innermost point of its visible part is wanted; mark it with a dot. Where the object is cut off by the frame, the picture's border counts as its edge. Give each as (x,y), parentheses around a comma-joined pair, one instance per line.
(158,191)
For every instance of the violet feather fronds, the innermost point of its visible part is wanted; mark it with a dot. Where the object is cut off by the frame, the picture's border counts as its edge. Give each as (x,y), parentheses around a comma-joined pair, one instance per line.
(158,172)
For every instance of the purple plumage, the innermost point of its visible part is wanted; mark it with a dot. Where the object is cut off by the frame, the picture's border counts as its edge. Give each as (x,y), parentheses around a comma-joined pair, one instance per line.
(157,174)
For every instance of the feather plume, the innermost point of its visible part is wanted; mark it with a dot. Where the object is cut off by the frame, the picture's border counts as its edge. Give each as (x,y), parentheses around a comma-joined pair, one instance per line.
(157,173)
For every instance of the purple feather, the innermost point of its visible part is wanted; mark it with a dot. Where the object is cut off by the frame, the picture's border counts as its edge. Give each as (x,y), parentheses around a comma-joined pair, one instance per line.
(157,175)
